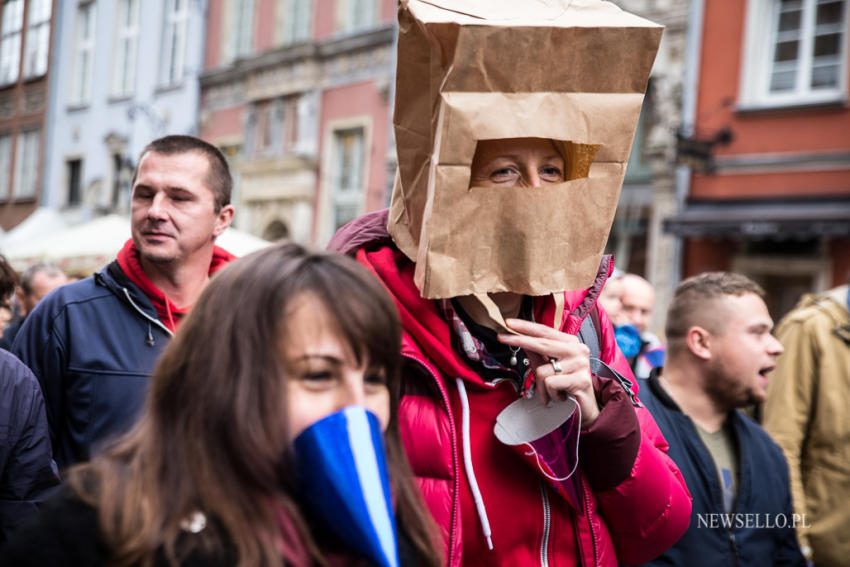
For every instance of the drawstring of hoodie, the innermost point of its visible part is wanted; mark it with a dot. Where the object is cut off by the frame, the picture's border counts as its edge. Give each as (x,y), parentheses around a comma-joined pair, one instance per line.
(149,340)
(172,324)
(467,465)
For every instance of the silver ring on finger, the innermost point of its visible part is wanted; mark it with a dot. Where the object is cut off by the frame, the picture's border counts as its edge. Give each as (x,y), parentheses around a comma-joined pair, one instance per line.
(556,365)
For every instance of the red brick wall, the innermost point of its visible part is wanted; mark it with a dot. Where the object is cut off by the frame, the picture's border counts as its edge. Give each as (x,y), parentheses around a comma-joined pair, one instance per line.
(839,249)
(772,185)
(776,131)
(704,255)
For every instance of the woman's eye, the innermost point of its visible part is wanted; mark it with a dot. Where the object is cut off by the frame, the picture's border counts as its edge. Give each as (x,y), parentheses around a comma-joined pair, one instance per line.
(551,173)
(377,378)
(503,174)
(318,376)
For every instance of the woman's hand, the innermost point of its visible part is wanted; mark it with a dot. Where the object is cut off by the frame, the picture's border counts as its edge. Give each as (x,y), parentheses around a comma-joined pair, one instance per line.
(547,348)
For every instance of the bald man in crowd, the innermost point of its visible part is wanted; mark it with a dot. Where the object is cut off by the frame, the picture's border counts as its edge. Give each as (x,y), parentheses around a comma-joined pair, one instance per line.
(638,301)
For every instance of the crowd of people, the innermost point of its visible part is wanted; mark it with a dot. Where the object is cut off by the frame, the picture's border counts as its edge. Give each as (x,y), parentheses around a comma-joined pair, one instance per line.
(303,407)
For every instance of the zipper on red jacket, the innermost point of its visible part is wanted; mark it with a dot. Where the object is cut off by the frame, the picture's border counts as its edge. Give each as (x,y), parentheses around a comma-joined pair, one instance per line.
(455,482)
(590,523)
(547,525)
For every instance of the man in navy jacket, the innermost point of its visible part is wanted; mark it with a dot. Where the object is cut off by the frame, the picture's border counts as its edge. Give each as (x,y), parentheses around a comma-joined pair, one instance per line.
(719,352)
(92,344)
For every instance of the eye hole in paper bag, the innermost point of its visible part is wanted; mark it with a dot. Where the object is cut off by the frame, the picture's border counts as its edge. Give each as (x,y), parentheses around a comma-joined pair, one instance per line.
(529,162)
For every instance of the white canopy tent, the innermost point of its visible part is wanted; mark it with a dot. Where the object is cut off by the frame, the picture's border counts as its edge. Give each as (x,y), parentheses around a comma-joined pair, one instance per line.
(41,222)
(89,246)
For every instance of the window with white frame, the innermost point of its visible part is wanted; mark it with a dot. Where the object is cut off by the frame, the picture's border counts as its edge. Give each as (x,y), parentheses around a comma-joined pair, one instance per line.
(74,172)
(10,40)
(174,42)
(121,178)
(267,127)
(289,112)
(81,80)
(294,21)
(347,176)
(26,164)
(274,129)
(38,38)
(126,45)
(796,52)
(5,165)
(356,15)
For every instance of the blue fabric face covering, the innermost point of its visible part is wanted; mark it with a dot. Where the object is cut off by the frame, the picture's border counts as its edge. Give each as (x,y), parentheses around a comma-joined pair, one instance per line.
(342,473)
(628,339)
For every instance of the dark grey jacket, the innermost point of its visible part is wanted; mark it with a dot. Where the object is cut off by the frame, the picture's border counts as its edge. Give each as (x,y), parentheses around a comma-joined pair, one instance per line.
(759,532)
(27,471)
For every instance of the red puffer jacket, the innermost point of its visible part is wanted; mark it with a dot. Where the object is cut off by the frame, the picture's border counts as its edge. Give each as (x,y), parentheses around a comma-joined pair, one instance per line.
(532,518)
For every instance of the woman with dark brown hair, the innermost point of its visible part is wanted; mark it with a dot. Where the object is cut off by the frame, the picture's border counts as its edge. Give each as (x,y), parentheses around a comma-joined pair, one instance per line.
(277,341)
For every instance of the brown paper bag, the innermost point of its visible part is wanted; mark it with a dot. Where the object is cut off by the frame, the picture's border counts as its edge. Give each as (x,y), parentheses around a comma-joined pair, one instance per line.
(469,70)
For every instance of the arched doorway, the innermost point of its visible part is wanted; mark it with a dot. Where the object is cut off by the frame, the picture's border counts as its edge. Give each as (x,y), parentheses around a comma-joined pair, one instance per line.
(276,230)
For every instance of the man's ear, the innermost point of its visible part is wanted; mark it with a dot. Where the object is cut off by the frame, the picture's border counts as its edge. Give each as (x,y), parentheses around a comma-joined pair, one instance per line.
(698,340)
(223,220)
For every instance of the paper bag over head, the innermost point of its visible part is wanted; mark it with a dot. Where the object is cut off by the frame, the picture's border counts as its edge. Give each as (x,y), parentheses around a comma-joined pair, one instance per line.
(470,70)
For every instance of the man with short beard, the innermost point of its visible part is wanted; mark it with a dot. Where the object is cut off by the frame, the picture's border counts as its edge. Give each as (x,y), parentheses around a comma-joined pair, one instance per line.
(93,343)
(719,352)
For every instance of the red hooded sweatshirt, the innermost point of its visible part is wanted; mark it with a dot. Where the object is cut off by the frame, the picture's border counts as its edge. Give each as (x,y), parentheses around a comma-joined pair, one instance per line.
(169,314)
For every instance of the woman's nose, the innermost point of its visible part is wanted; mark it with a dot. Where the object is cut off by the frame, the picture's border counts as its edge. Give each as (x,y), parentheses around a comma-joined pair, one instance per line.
(353,394)
(531,178)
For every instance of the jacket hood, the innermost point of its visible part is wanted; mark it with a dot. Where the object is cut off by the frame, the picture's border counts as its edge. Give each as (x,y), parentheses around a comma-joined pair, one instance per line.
(369,229)
(834,303)
(113,278)
(840,296)
(836,295)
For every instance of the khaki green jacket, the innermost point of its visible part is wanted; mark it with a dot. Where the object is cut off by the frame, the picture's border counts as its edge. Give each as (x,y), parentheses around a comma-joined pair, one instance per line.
(808,414)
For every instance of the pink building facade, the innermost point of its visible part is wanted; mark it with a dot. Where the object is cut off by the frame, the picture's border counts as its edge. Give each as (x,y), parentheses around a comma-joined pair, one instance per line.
(298,94)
